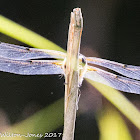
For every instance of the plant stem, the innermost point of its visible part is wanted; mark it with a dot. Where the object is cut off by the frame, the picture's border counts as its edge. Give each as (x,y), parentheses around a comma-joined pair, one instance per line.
(72,73)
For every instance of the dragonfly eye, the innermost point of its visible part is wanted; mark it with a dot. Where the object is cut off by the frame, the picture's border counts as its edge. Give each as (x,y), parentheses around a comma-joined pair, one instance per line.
(83,60)
(65,66)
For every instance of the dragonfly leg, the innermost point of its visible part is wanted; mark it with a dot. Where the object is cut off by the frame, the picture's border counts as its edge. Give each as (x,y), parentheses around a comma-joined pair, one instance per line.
(60,76)
(77,101)
(65,83)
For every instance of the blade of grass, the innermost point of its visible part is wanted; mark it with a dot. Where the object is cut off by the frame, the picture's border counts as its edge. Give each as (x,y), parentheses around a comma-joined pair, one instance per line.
(112,126)
(25,35)
(45,121)
(120,102)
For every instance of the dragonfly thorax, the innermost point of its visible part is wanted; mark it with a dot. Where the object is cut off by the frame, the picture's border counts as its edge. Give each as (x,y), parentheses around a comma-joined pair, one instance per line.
(82,67)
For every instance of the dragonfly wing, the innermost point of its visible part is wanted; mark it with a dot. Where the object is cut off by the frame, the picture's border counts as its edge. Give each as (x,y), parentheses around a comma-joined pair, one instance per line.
(118,82)
(33,67)
(126,70)
(24,53)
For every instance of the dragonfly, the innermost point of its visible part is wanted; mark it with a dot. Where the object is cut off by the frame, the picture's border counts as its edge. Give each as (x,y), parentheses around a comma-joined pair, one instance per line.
(30,61)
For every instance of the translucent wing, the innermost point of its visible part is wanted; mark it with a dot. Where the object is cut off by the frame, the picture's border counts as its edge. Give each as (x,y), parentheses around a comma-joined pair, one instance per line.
(24,53)
(118,82)
(31,67)
(127,70)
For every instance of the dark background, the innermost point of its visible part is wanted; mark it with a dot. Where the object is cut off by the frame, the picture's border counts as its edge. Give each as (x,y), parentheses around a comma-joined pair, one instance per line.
(111,31)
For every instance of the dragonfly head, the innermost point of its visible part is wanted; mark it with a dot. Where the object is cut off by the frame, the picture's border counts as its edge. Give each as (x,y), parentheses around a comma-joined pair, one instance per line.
(82,61)
(82,68)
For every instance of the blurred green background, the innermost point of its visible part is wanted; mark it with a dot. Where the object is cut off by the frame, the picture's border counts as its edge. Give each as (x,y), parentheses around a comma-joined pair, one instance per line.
(111,31)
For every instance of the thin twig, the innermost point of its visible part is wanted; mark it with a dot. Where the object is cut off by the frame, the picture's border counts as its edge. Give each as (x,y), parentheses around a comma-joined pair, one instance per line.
(72,73)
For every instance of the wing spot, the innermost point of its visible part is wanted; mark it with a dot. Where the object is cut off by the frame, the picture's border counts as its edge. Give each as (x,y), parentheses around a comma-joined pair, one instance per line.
(116,76)
(125,65)
(30,61)
(57,63)
(28,49)
(91,69)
